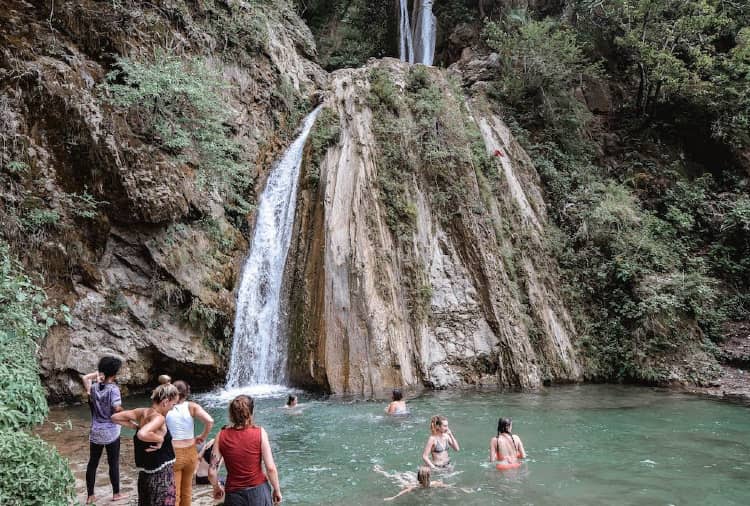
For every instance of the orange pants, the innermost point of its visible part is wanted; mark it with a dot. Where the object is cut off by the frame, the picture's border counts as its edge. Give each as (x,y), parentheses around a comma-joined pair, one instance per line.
(185,464)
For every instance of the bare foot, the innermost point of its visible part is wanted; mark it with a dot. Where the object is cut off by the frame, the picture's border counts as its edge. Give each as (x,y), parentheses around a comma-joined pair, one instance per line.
(91,499)
(119,497)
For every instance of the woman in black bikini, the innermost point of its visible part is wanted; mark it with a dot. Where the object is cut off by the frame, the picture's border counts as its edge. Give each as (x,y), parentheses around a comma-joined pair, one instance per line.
(152,445)
(435,453)
(505,448)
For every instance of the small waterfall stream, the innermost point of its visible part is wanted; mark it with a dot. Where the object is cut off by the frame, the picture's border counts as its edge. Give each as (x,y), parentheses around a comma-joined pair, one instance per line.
(258,349)
(405,46)
(425,25)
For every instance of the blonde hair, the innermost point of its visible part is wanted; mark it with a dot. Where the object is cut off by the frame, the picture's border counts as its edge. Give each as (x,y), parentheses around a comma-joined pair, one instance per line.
(164,379)
(423,476)
(436,421)
(164,392)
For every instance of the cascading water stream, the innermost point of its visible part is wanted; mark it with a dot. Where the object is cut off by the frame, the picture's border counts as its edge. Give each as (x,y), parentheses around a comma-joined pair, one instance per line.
(258,349)
(425,25)
(405,46)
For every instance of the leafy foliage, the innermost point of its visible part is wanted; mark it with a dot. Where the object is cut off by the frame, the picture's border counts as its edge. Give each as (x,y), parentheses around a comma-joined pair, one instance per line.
(24,320)
(325,133)
(543,61)
(178,101)
(694,54)
(635,259)
(32,473)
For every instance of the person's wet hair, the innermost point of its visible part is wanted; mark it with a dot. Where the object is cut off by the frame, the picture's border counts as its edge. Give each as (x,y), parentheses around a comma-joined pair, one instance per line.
(109,366)
(290,400)
(165,379)
(437,421)
(397,395)
(423,476)
(503,427)
(164,392)
(241,411)
(183,388)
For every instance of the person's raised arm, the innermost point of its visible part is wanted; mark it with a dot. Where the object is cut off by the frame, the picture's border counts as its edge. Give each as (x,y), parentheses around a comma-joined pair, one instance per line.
(88,380)
(196,411)
(127,418)
(273,474)
(453,441)
(426,453)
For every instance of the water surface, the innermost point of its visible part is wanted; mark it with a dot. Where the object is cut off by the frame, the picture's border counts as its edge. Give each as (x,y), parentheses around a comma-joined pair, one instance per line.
(587,445)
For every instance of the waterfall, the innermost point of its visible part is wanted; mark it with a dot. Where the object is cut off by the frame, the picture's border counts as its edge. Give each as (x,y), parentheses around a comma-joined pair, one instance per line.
(259,349)
(405,46)
(425,25)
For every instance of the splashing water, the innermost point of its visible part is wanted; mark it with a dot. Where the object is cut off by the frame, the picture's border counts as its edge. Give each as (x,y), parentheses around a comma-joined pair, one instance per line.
(259,348)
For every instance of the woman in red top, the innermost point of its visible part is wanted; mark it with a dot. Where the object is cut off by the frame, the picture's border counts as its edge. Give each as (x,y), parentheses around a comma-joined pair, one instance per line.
(244,446)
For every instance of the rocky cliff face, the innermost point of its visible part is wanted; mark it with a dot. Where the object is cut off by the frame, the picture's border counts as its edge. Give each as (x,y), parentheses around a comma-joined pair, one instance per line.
(423,266)
(420,254)
(143,254)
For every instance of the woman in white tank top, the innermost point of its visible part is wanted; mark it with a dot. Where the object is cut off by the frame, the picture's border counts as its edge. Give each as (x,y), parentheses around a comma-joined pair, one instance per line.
(181,425)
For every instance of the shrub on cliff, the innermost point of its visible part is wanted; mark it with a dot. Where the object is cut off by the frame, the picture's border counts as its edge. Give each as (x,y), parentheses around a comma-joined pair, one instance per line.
(176,103)
(31,472)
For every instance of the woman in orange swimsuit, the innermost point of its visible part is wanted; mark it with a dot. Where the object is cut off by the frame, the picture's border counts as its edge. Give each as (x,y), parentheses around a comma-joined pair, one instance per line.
(505,448)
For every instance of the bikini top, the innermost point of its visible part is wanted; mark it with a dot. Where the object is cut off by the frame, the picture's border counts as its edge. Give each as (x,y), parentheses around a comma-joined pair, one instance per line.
(439,446)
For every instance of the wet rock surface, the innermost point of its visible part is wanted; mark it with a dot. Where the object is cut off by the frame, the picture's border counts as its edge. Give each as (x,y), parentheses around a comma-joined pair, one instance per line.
(149,270)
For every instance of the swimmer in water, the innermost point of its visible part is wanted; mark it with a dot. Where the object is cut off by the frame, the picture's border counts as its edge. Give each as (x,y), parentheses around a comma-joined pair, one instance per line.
(435,454)
(506,449)
(423,480)
(398,404)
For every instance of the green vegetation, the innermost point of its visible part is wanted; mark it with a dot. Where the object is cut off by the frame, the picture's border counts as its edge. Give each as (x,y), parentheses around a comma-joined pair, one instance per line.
(178,104)
(652,252)
(32,473)
(689,58)
(24,320)
(325,133)
(339,27)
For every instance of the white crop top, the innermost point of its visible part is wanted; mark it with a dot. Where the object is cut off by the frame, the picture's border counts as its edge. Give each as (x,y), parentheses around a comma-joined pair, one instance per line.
(180,423)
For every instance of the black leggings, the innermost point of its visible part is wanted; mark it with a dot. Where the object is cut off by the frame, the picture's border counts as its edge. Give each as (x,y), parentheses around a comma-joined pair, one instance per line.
(113,459)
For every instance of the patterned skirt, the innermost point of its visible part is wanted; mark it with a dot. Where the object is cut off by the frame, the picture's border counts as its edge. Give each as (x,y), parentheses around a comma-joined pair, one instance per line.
(157,488)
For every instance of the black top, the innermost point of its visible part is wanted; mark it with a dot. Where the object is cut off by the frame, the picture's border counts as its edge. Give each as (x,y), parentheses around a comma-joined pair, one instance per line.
(152,461)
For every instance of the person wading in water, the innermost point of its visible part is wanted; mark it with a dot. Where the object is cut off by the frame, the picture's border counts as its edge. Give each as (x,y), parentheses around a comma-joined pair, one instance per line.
(246,450)
(440,440)
(505,448)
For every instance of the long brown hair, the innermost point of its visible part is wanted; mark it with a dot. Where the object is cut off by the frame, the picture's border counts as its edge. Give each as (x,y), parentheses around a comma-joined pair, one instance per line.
(241,411)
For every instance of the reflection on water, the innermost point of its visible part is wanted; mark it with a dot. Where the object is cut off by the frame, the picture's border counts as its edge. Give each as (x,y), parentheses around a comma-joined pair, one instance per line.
(587,445)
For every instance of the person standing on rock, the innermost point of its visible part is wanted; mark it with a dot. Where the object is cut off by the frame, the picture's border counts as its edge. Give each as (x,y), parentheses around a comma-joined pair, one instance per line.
(246,450)
(152,446)
(181,424)
(435,454)
(104,401)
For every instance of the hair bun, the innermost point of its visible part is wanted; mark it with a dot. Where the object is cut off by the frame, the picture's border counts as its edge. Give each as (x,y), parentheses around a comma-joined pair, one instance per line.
(165,379)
